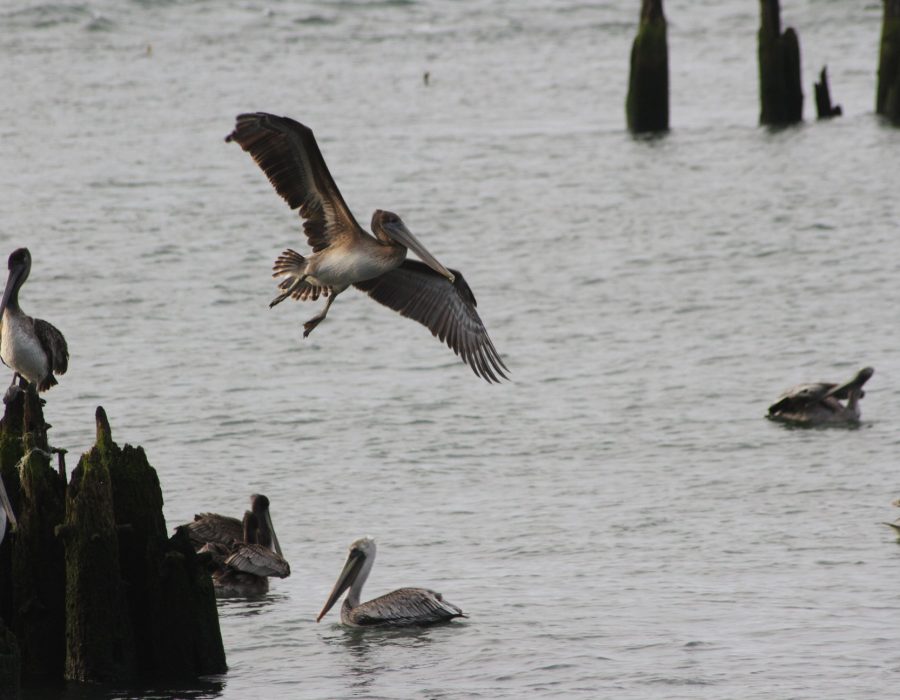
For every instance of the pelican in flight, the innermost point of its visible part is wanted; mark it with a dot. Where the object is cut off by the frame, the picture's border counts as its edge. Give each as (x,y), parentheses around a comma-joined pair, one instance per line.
(33,348)
(400,608)
(820,404)
(244,553)
(344,254)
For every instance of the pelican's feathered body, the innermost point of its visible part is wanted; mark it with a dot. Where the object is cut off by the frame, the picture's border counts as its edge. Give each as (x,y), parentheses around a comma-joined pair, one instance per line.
(821,403)
(343,254)
(33,348)
(244,554)
(401,608)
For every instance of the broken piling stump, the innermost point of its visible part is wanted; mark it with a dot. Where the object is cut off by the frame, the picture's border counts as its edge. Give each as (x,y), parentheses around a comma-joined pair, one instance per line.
(647,103)
(90,585)
(824,108)
(887,102)
(780,90)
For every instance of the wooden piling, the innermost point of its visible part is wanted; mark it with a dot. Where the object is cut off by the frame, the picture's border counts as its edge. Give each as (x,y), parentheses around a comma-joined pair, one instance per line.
(647,103)
(824,108)
(780,89)
(887,102)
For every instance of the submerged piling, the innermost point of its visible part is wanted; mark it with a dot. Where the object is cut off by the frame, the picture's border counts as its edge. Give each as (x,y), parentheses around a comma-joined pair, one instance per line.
(824,108)
(647,103)
(780,90)
(887,102)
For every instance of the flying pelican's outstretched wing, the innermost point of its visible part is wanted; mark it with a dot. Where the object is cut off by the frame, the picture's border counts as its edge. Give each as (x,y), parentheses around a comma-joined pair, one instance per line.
(446,309)
(54,343)
(259,561)
(288,154)
(406,606)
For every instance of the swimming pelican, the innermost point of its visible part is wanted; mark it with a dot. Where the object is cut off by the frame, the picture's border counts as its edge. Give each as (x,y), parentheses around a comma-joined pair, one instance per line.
(820,404)
(403,607)
(224,530)
(244,553)
(247,565)
(33,348)
(344,254)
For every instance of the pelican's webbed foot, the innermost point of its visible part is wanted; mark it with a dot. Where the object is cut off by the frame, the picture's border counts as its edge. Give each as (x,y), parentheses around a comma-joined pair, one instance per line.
(318,318)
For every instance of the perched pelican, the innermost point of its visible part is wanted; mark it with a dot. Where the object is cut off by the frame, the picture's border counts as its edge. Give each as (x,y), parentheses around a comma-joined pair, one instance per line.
(403,607)
(820,404)
(33,348)
(244,553)
(6,512)
(344,254)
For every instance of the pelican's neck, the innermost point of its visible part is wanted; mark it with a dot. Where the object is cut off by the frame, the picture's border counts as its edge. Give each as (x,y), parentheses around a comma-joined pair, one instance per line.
(355,594)
(251,528)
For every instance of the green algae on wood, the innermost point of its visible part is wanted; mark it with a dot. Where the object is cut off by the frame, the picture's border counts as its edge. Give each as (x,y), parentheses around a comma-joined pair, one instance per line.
(36,610)
(780,89)
(647,103)
(887,102)
(99,635)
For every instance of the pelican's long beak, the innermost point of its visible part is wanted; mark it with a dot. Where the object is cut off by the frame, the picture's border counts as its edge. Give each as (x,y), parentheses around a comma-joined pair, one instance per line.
(398,232)
(275,545)
(348,575)
(12,283)
(8,509)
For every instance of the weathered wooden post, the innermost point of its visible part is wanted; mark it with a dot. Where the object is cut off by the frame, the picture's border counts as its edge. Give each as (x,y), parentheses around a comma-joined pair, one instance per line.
(780,91)
(888,97)
(824,108)
(10,665)
(647,104)
(34,603)
(99,635)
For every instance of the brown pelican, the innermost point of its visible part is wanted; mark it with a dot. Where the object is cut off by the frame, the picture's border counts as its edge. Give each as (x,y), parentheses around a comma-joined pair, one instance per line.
(33,348)
(403,607)
(820,404)
(344,254)
(244,553)
(246,566)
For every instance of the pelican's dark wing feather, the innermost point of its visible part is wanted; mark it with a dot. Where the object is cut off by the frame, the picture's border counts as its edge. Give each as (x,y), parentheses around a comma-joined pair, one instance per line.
(54,343)
(259,561)
(446,309)
(214,528)
(288,154)
(406,606)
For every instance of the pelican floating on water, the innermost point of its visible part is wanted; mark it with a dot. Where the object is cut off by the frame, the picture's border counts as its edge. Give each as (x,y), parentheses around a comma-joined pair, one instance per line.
(33,348)
(244,553)
(403,607)
(820,404)
(344,254)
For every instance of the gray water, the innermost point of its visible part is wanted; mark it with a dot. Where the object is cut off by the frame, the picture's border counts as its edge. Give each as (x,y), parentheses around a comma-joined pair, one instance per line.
(618,521)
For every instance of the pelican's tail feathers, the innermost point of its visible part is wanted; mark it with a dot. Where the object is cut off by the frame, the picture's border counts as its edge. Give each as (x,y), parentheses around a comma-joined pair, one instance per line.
(290,262)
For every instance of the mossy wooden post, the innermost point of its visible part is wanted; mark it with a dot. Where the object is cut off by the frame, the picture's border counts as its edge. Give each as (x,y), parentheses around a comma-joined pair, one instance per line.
(780,89)
(38,581)
(824,108)
(170,595)
(99,634)
(647,104)
(888,96)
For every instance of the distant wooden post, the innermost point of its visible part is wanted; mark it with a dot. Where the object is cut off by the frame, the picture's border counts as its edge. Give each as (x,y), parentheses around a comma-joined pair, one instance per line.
(780,91)
(824,108)
(647,104)
(888,97)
